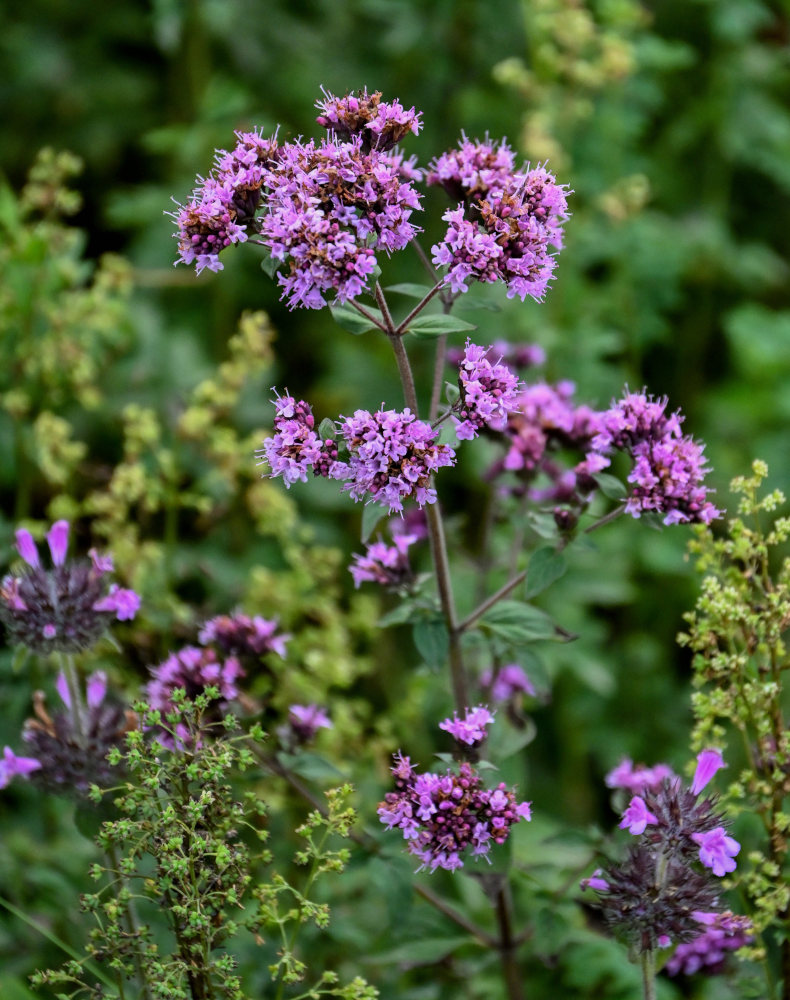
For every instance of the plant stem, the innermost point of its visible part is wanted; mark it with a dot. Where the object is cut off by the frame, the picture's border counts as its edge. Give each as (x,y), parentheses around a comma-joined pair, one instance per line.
(76,707)
(649,975)
(132,924)
(367,314)
(404,324)
(404,370)
(507,944)
(489,602)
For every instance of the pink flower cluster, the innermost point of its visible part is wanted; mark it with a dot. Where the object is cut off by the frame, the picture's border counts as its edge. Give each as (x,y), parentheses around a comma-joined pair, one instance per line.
(505,222)
(391,454)
(381,125)
(488,392)
(637,779)
(444,816)
(470,730)
(668,466)
(329,207)
(507,682)
(241,635)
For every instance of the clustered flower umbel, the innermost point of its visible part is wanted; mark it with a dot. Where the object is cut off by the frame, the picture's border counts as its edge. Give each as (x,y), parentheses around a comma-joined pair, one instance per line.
(391,454)
(656,895)
(505,222)
(487,393)
(65,608)
(444,817)
(387,565)
(323,209)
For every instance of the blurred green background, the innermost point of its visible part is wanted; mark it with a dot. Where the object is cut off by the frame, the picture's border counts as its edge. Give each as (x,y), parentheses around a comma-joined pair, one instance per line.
(670,122)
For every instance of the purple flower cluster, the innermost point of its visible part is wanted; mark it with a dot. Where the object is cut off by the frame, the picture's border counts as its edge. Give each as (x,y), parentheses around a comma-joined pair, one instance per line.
(72,755)
(668,466)
(380,125)
(442,816)
(191,670)
(65,608)
(295,445)
(512,355)
(638,779)
(507,682)
(244,636)
(323,208)
(329,207)
(391,454)
(471,730)
(221,211)
(676,817)
(656,892)
(505,222)
(723,933)
(488,392)
(304,721)
(475,171)
(387,565)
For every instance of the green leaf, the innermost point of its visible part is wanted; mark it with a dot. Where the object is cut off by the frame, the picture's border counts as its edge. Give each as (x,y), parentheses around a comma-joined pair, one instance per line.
(352,321)
(545,566)
(371,515)
(269,265)
(518,623)
(327,429)
(432,641)
(310,765)
(468,301)
(413,291)
(506,740)
(611,486)
(404,612)
(452,392)
(426,327)
(424,951)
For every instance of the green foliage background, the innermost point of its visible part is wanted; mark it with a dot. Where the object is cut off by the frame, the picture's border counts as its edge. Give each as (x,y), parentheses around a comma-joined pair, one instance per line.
(668,119)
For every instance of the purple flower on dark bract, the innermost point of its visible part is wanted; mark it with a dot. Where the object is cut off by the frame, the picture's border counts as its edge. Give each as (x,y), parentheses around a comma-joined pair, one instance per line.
(12,766)
(475,171)
(72,759)
(717,851)
(488,392)
(637,816)
(444,816)
(471,729)
(65,608)
(392,456)
(304,721)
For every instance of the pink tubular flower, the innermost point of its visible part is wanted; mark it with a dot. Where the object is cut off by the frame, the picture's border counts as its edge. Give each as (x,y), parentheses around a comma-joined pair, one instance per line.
(470,729)
(58,540)
(306,720)
(640,778)
(717,850)
(595,881)
(122,602)
(12,766)
(708,763)
(242,635)
(637,816)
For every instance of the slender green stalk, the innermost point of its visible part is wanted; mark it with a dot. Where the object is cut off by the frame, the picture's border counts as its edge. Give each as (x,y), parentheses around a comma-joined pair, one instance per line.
(132,926)
(77,707)
(404,324)
(507,944)
(649,975)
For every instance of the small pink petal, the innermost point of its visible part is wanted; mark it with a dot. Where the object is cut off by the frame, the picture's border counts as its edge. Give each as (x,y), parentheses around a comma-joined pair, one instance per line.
(62,687)
(58,540)
(27,547)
